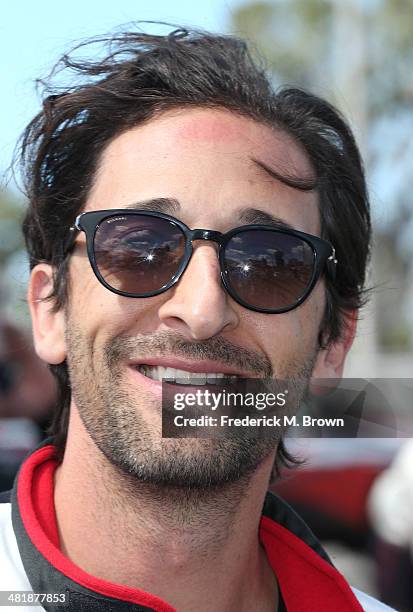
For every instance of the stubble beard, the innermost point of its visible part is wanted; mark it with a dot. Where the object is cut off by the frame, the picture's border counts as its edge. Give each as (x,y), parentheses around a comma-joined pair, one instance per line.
(109,410)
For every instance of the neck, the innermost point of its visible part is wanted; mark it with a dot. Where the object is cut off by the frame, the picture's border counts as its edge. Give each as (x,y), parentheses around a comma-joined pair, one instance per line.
(195,549)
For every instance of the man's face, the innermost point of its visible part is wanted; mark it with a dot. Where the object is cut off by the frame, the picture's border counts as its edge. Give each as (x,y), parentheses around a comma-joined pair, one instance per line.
(203,159)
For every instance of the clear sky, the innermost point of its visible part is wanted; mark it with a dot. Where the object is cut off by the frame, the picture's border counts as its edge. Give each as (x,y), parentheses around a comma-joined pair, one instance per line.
(33,35)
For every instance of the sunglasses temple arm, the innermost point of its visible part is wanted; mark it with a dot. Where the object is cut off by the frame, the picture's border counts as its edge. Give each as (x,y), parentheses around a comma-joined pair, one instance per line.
(69,241)
(332,262)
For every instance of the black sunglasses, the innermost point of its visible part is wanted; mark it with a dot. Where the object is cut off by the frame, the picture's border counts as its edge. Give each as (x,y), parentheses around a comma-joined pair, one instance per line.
(136,253)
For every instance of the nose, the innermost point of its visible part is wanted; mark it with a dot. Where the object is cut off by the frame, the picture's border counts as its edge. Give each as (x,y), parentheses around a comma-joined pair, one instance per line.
(199,306)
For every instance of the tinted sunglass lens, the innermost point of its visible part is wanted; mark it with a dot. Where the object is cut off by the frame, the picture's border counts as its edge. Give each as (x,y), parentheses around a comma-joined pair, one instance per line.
(269,269)
(138,254)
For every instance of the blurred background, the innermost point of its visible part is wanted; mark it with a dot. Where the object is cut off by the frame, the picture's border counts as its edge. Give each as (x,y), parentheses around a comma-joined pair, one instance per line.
(359,55)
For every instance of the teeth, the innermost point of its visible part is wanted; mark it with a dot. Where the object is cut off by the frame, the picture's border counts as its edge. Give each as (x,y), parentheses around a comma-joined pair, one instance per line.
(183,376)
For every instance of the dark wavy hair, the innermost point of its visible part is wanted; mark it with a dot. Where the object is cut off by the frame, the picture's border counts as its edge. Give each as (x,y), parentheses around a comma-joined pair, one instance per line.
(143,75)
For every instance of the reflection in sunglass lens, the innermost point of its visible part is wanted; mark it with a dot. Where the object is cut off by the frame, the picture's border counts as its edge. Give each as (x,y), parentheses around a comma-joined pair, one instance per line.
(138,254)
(269,269)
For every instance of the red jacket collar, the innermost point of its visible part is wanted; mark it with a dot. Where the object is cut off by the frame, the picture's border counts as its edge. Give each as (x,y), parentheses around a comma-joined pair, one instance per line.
(307,580)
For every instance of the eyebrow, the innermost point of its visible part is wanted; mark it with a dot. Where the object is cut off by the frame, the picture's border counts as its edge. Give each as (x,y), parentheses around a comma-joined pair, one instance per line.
(249,216)
(304,183)
(163,205)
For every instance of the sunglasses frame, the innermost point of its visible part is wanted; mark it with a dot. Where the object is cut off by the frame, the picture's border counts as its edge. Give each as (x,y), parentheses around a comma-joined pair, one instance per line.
(323,251)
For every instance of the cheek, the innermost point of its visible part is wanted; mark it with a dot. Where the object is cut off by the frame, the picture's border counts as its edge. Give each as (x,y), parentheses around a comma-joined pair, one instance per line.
(92,308)
(292,336)
(309,318)
(101,314)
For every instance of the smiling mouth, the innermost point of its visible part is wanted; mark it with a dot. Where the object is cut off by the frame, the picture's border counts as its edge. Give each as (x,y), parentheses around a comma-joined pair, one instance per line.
(184,377)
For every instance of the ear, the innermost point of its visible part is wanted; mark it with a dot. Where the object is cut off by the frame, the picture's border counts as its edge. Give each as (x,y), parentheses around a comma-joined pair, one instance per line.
(330,361)
(48,326)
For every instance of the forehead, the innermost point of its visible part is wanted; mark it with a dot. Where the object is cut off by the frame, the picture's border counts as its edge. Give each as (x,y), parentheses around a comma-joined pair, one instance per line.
(206,159)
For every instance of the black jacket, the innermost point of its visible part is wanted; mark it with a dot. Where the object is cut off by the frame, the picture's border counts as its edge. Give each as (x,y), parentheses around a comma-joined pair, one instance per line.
(30,558)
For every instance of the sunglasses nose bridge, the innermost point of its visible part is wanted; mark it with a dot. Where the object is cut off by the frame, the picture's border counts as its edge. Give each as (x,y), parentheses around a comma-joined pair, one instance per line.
(203,234)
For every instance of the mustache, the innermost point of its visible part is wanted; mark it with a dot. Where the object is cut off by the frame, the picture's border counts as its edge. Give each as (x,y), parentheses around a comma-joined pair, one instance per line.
(137,347)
